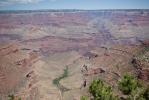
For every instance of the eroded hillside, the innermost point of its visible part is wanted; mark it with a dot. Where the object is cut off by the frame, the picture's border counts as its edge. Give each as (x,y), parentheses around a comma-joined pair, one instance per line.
(49,55)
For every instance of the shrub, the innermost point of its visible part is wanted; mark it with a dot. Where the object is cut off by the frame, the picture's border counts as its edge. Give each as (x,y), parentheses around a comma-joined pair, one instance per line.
(100,91)
(128,84)
(146,93)
(11,97)
(139,94)
(19,99)
(84,98)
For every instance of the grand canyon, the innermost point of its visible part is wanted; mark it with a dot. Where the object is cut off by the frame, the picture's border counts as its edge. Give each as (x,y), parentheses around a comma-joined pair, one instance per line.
(49,54)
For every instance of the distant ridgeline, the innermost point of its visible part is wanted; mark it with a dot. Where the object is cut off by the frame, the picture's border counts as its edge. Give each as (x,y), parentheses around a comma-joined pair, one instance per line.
(72,10)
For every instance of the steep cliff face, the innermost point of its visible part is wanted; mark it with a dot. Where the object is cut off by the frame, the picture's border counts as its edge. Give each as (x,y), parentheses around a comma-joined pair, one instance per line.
(141,62)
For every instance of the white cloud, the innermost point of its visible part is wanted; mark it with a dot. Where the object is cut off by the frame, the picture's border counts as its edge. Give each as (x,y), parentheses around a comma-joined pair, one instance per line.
(26,1)
(3,2)
(11,2)
(23,1)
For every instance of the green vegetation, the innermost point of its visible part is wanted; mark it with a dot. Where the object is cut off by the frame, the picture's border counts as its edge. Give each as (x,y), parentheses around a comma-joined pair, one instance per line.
(146,49)
(146,93)
(84,98)
(100,91)
(11,97)
(139,94)
(144,55)
(19,99)
(64,75)
(131,87)
(128,84)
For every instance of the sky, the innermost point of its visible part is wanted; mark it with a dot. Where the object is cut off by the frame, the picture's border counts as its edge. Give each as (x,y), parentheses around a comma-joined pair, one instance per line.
(73,4)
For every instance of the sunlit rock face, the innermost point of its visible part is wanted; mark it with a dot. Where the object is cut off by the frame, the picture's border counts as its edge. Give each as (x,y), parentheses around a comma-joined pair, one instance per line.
(36,47)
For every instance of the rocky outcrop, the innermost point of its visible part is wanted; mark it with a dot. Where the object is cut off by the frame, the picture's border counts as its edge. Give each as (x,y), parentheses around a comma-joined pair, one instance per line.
(144,74)
(141,63)
(8,49)
(14,64)
(90,55)
(94,71)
